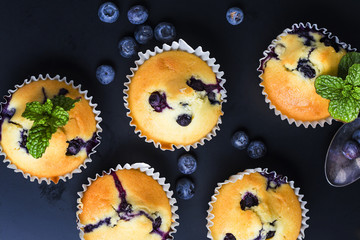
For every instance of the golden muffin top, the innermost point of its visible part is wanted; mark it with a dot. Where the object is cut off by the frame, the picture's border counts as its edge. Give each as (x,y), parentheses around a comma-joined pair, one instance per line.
(69,145)
(291,69)
(126,204)
(259,206)
(174,99)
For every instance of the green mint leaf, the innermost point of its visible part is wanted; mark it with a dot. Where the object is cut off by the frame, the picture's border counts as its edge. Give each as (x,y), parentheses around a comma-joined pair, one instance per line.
(38,140)
(353,76)
(329,87)
(356,93)
(35,111)
(59,117)
(344,109)
(47,106)
(347,90)
(47,117)
(65,102)
(346,62)
(43,121)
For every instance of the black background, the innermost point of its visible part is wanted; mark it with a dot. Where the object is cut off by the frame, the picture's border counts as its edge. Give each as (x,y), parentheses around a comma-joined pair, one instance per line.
(67,38)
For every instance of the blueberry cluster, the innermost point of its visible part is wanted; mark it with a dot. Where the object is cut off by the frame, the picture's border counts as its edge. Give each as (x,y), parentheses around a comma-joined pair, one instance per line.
(108,12)
(185,187)
(255,149)
(164,32)
(351,148)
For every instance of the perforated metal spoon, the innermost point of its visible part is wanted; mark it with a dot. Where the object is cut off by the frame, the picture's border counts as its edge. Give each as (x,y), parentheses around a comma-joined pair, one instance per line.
(339,170)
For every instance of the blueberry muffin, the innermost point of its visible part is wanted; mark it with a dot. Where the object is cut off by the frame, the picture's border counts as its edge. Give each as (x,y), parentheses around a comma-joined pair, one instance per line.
(288,72)
(174,99)
(259,206)
(125,204)
(68,147)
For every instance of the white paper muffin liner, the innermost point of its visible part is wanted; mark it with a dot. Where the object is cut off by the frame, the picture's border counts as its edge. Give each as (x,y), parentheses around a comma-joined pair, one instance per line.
(239,176)
(98,119)
(181,45)
(267,56)
(145,168)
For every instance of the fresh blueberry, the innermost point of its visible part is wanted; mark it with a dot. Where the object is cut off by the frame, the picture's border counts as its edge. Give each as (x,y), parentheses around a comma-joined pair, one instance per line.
(351,150)
(185,188)
(248,200)
(127,47)
(184,120)
(234,15)
(305,67)
(240,140)
(356,135)
(105,74)
(143,34)
(165,32)
(229,236)
(108,12)
(256,149)
(187,164)
(137,14)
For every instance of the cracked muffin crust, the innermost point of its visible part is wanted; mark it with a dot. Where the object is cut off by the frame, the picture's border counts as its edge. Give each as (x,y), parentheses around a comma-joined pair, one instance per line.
(174,99)
(125,204)
(259,206)
(291,68)
(68,147)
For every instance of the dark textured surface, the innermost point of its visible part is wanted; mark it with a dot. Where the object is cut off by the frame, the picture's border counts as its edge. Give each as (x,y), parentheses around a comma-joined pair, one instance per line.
(67,38)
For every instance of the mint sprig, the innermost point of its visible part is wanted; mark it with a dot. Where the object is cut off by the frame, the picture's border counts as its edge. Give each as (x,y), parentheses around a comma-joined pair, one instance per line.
(346,62)
(47,117)
(343,93)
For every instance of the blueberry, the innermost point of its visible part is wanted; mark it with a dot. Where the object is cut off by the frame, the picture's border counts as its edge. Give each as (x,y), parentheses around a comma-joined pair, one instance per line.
(256,149)
(305,68)
(270,234)
(158,101)
(229,236)
(75,145)
(273,181)
(63,91)
(157,223)
(143,34)
(212,98)
(108,12)
(351,150)
(185,188)
(240,140)
(105,74)
(234,15)
(127,47)
(165,32)
(187,164)
(304,34)
(137,14)
(356,135)
(248,200)
(184,120)
(330,43)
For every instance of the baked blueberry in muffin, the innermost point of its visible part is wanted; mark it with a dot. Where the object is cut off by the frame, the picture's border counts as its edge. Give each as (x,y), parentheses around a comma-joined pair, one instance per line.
(125,204)
(69,145)
(174,98)
(259,206)
(291,67)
